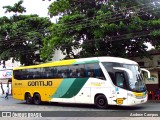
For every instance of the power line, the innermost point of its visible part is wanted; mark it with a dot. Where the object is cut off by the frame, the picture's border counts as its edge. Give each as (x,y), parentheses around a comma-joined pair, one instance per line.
(112,20)
(117,11)
(25,40)
(101,20)
(90,24)
(85,42)
(106,15)
(141,34)
(84,26)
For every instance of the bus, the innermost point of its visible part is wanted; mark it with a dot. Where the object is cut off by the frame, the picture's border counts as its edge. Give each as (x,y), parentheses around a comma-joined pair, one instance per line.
(101,81)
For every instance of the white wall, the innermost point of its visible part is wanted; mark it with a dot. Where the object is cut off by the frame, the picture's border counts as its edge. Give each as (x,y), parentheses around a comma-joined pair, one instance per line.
(10,64)
(58,55)
(154,78)
(152,66)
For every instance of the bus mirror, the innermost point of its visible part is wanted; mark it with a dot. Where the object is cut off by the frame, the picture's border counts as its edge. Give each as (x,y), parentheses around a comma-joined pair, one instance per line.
(145,70)
(125,69)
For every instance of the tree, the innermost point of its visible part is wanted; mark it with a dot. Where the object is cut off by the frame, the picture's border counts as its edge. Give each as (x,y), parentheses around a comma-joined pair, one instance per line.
(103,27)
(16,8)
(21,35)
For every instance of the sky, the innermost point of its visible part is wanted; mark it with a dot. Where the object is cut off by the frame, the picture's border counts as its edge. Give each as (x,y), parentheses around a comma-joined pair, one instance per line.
(32,7)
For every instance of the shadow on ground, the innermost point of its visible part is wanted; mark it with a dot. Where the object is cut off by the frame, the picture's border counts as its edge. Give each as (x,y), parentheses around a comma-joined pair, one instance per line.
(87,106)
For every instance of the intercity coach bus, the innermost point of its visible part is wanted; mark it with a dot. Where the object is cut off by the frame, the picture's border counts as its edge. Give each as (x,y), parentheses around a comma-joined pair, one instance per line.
(102,81)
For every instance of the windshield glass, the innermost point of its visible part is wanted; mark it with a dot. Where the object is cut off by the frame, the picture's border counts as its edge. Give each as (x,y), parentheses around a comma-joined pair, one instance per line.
(131,72)
(136,83)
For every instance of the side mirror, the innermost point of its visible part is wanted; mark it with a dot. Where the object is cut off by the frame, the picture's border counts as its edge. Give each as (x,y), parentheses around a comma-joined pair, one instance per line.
(145,70)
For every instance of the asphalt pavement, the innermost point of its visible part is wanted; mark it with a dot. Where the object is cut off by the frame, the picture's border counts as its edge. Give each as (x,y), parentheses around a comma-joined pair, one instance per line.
(16,105)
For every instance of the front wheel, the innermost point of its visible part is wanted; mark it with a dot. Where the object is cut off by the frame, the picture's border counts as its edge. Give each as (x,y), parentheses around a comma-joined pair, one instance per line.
(101,102)
(37,99)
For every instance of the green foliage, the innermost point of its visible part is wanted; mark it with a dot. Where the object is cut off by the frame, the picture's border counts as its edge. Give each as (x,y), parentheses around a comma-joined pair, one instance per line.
(21,35)
(58,7)
(16,8)
(100,27)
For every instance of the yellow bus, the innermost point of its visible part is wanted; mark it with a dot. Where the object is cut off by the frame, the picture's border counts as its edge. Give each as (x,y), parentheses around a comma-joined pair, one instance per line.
(101,81)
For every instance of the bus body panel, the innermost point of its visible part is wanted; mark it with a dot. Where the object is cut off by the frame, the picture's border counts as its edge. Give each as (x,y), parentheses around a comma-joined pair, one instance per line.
(77,90)
(85,95)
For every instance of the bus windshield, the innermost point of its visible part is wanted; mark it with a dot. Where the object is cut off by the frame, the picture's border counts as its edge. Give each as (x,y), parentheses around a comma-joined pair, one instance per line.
(126,76)
(136,83)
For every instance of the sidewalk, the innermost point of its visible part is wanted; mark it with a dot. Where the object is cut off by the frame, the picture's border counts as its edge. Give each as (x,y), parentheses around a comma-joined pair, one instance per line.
(2,96)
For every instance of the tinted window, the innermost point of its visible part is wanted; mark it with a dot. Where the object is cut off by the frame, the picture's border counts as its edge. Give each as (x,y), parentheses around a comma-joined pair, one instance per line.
(73,71)
(94,70)
(63,72)
(109,68)
(81,71)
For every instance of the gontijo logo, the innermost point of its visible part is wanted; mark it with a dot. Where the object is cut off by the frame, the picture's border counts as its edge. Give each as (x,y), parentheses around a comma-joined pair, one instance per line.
(119,101)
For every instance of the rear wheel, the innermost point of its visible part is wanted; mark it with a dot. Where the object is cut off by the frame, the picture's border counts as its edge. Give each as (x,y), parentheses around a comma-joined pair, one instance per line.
(28,98)
(101,101)
(37,99)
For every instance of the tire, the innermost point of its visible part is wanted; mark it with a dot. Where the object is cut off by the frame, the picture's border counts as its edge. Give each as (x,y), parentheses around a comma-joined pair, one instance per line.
(28,98)
(37,99)
(101,102)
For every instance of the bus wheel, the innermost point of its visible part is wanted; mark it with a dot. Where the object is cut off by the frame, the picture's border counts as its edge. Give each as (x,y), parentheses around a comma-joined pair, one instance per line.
(37,99)
(101,101)
(28,98)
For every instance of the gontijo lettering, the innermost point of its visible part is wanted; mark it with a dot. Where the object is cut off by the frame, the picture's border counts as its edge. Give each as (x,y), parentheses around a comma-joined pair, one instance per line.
(40,83)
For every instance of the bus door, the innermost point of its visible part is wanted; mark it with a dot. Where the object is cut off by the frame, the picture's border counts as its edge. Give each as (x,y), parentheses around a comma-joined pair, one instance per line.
(120,89)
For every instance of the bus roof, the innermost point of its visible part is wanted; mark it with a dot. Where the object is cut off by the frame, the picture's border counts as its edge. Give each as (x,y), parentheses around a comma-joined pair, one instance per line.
(80,61)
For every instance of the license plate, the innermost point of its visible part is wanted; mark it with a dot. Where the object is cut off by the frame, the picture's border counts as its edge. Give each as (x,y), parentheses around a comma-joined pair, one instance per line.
(142,101)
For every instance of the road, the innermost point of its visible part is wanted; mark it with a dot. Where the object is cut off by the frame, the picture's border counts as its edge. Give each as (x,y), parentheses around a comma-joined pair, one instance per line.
(61,111)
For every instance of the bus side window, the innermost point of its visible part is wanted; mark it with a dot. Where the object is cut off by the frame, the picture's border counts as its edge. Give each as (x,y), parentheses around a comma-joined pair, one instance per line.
(43,73)
(55,72)
(17,74)
(23,74)
(98,72)
(73,71)
(89,70)
(65,72)
(36,73)
(81,71)
(91,74)
(36,76)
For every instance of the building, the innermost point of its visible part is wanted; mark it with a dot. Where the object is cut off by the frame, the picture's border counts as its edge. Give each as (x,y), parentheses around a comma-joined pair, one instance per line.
(153,65)
(58,55)
(6,75)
